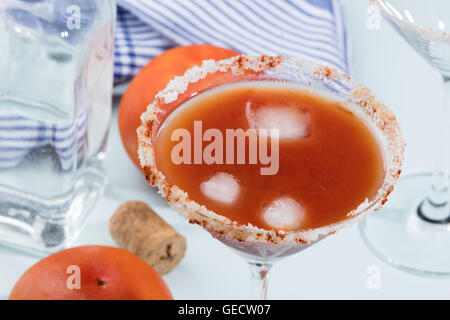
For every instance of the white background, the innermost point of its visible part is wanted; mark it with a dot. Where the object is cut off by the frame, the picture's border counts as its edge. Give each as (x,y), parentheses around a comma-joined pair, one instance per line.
(334,268)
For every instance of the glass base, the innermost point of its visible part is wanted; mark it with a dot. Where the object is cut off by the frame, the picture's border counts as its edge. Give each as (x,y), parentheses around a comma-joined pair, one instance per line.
(401,237)
(43,226)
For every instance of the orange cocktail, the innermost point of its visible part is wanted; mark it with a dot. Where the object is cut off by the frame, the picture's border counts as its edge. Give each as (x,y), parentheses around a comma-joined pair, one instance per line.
(329,161)
(269,154)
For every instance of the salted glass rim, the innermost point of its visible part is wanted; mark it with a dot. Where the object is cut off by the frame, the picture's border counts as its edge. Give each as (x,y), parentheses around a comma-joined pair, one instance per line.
(374,111)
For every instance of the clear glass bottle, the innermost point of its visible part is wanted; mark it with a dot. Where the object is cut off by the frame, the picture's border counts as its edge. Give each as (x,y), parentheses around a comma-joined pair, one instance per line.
(56,77)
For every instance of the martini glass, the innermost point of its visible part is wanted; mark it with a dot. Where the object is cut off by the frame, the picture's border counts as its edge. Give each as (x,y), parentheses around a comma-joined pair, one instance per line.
(262,248)
(413,232)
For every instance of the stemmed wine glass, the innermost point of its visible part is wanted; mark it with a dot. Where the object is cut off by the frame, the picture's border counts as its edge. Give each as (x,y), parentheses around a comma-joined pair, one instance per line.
(413,232)
(262,248)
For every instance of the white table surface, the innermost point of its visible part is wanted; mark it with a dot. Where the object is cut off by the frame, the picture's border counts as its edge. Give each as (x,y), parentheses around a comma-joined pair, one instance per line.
(334,268)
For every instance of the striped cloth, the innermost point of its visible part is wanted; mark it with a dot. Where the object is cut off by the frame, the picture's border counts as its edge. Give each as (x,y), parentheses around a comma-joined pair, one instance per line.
(20,136)
(311,29)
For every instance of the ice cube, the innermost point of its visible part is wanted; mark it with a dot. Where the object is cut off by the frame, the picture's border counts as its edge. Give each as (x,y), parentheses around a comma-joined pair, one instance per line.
(284,213)
(293,122)
(222,187)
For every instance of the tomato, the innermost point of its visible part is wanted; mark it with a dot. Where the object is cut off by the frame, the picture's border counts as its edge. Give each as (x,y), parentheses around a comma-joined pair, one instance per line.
(91,273)
(153,78)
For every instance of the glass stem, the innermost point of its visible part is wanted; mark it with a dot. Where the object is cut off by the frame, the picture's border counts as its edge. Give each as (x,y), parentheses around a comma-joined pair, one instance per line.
(436,208)
(260,279)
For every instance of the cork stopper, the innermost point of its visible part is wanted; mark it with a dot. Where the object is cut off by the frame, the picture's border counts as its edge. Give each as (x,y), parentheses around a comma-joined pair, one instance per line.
(137,228)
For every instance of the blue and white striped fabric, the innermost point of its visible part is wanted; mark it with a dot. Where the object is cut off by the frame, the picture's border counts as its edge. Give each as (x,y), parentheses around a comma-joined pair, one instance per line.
(311,29)
(19,136)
